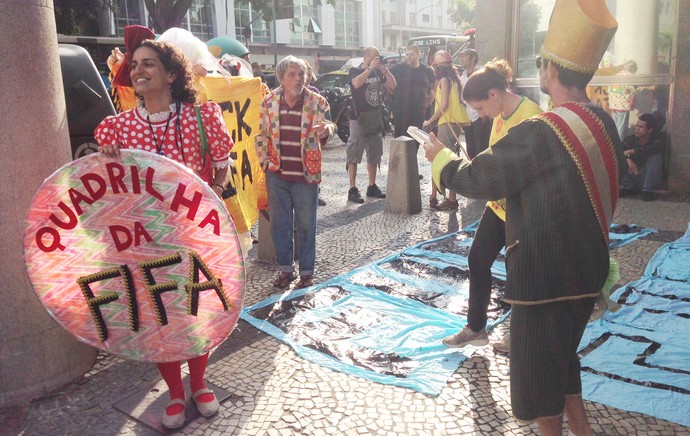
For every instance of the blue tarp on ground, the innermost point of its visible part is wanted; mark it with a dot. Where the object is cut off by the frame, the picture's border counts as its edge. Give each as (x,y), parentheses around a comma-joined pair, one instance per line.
(638,358)
(623,234)
(385,321)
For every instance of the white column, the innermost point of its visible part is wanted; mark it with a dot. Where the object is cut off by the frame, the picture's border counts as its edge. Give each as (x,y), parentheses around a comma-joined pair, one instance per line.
(637,34)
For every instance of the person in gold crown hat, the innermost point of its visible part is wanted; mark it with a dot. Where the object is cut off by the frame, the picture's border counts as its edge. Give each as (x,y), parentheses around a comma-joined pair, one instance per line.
(558,172)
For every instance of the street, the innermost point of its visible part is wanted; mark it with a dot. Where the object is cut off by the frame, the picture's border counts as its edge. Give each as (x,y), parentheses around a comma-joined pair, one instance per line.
(275,392)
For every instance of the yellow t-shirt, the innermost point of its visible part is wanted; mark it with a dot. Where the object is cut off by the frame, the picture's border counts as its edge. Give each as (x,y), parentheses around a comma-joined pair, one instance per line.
(456,112)
(525,109)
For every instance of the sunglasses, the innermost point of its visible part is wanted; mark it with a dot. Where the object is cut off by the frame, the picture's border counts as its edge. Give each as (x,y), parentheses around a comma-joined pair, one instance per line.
(538,62)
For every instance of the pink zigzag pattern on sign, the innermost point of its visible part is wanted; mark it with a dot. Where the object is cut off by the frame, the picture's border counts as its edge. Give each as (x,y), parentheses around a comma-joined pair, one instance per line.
(89,249)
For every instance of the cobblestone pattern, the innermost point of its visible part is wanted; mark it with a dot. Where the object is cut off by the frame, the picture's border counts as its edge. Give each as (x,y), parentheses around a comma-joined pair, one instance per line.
(278,393)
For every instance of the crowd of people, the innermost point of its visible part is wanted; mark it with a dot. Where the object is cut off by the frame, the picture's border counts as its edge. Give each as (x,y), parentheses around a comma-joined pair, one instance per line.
(527,163)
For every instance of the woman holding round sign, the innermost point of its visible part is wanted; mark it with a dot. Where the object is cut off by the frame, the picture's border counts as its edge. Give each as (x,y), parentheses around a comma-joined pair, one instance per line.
(166,121)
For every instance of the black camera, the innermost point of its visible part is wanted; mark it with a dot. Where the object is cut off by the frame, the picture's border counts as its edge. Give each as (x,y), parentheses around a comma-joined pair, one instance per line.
(382,59)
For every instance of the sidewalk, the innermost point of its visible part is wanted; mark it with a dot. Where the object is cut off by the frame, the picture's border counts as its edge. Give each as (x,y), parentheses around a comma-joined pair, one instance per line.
(275,392)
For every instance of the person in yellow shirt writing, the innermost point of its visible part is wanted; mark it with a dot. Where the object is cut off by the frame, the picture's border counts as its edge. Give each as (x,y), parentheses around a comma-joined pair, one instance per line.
(487,92)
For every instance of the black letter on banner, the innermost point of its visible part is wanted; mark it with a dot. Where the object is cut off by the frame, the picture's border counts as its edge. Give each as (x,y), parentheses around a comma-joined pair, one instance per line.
(246,169)
(193,287)
(156,289)
(241,125)
(225,106)
(107,297)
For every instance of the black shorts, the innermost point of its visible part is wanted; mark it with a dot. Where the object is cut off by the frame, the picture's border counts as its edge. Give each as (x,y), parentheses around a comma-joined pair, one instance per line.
(544,365)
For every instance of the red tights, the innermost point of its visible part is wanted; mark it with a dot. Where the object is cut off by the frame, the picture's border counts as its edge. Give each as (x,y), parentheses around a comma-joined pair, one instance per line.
(172,374)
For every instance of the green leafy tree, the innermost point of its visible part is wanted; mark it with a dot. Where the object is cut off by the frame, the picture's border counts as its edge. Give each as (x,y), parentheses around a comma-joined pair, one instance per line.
(462,13)
(79,17)
(665,44)
(165,14)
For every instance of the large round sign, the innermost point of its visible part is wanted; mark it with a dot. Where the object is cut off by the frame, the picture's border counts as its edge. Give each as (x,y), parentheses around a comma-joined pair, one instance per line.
(136,256)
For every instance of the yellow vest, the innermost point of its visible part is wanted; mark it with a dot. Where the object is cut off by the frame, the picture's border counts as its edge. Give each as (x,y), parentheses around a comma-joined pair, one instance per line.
(456,112)
(525,109)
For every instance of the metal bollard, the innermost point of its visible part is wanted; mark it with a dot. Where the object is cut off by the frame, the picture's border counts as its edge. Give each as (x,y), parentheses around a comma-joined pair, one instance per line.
(267,251)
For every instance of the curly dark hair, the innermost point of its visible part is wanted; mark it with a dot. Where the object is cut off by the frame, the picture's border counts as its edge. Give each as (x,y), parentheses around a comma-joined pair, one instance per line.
(174,61)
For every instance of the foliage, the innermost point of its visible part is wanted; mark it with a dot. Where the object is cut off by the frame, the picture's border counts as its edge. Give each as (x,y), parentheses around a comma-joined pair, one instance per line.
(530,15)
(165,14)
(462,13)
(79,17)
(665,45)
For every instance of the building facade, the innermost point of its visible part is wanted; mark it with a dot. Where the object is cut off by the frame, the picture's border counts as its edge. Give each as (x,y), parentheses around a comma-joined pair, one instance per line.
(655,34)
(326,34)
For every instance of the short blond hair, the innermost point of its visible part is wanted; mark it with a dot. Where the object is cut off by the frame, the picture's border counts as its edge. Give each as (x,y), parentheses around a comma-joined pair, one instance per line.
(414,48)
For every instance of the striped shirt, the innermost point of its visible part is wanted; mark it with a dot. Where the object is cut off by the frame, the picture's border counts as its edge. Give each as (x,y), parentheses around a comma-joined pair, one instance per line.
(291,167)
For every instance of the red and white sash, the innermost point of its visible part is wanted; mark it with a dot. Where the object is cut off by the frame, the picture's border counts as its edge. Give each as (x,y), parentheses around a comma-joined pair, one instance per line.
(585,138)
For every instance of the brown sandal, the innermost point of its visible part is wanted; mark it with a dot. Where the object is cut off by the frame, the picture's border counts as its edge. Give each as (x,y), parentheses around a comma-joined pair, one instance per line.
(284,279)
(304,282)
(448,205)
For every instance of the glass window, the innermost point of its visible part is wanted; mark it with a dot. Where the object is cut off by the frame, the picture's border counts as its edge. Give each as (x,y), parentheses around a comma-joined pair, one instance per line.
(633,76)
(127,13)
(199,19)
(242,18)
(346,23)
(300,25)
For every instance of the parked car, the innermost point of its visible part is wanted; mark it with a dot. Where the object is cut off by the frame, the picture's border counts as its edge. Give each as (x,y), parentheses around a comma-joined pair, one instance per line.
(87,99)
(351,63)
(334,79)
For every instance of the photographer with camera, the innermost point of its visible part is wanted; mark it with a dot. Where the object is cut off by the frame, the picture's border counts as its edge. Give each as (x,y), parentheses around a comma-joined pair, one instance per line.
(366,120)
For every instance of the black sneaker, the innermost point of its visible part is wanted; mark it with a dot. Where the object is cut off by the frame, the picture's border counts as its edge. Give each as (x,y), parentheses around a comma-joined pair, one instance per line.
(647,196)
(375,191)
(354,196)
(625,192)
(322,202)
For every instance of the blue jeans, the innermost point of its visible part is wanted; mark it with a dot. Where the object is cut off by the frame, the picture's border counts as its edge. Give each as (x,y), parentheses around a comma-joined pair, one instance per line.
(621,118)
(290,204)
(650,175)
